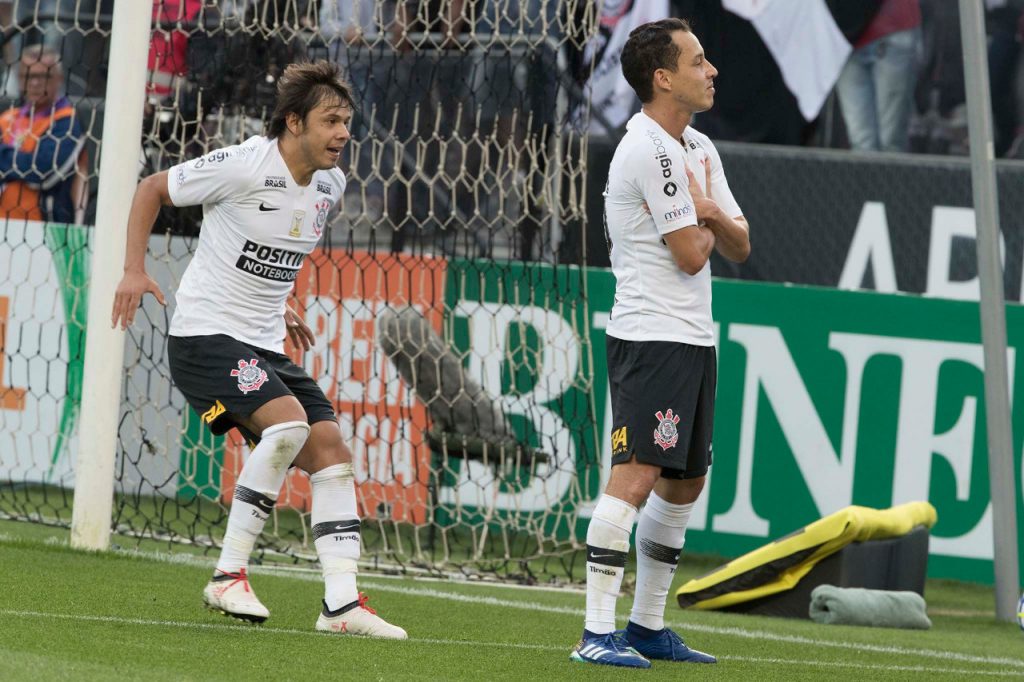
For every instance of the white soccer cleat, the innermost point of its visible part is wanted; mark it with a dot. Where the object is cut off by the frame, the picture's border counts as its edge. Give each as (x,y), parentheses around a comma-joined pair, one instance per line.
(358,619)
(231,594)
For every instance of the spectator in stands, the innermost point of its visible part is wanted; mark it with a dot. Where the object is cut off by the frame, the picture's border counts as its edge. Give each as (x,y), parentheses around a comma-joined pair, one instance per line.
(42,156)
(431,75)
(7,33)
(1005,19)
(876,86)
(170,95)
(168,47)
(358,38)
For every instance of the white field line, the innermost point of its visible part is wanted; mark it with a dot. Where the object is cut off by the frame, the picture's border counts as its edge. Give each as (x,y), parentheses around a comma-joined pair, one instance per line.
(963,613)
(872,666)
(696,627)
(476,643)
(314,573)
(377,584)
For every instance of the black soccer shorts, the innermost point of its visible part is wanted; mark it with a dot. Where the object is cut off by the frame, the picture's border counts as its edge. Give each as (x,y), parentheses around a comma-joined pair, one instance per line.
(223,378)
(663,404)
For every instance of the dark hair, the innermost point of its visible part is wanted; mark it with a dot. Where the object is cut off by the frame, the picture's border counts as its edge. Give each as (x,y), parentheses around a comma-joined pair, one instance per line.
(302,87)
(649,48)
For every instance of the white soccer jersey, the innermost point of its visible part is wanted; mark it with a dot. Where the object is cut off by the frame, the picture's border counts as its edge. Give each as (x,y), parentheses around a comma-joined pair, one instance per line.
(258,227)
(654,299)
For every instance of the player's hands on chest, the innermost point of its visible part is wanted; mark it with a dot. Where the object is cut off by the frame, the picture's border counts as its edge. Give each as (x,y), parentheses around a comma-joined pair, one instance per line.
(703,204)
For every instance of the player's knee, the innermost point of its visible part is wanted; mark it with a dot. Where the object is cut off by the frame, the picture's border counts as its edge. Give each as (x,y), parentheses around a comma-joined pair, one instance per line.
(632,482)
(339,473)
(681,491)
(346,472)
(635,491)
(288,438)
(694,485)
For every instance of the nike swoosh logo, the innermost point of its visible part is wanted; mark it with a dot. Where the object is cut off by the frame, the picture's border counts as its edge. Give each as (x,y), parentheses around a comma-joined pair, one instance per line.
(600,556)
(267,208)
(265,505)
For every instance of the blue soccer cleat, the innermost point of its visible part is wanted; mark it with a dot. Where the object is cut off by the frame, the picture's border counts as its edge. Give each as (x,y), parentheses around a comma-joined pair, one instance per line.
(609,649)
(662,645)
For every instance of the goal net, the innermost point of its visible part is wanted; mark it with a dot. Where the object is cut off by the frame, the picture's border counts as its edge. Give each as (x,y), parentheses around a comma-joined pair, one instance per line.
(448,297)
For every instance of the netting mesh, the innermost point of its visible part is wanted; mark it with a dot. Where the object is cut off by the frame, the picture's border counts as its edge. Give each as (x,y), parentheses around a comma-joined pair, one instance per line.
(447,298)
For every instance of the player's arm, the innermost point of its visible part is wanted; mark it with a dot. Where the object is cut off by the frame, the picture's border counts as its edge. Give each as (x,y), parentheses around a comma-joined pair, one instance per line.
(150,195)
(733,238)
(670,201)
(219,176)
(719,211)
(691,247)
(299,332)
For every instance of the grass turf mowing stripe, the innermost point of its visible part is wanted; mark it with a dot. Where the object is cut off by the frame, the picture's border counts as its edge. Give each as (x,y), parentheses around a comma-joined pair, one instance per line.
(457,593)
(870,666)
(503,645)
(432,592)
(696,627)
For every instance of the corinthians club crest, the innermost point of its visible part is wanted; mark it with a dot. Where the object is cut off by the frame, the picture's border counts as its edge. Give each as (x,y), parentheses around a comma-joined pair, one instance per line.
(323,207)
(250,377)
(666,435)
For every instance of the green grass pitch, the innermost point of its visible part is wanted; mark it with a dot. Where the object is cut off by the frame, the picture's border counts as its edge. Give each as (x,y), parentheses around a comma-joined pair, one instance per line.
(138,616)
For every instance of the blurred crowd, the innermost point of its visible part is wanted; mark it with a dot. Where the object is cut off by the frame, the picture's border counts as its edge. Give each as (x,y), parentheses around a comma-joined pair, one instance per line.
(901,89)
(213,65)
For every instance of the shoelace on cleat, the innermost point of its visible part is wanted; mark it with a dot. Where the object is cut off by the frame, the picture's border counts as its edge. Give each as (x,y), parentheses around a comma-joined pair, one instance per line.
(362,603)
(622,643)
(239,577)
(676,643)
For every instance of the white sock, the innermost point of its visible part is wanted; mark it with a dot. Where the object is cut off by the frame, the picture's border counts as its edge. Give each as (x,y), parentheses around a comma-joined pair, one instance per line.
(256,491)
(607,549)
(660,534)
(336,532)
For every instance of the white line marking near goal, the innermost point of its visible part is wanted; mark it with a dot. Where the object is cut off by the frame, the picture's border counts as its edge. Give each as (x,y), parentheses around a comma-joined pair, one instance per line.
(375,583)
(871,666)
(476,643)
(313,573)
(696,627)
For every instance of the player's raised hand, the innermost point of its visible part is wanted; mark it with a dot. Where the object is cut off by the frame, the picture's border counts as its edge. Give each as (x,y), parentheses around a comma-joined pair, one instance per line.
(134,285)
(298,331)
(702,201)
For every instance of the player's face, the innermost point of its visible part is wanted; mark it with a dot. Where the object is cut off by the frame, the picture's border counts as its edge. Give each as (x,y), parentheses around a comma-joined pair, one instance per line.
(40,81)
(693,83)
(325,133)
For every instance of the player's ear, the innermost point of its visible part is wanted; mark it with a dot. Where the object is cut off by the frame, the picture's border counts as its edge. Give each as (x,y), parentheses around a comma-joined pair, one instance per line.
(662,79)
(294,123)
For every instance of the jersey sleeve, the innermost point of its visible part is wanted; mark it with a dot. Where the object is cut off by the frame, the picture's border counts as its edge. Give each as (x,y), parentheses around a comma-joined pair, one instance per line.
(720,191)
(664,188)
(220,175)
(341,182)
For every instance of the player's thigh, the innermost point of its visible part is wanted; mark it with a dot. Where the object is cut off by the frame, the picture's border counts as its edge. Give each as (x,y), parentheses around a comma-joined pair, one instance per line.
(325,446)
(228,383)
(699,444)
(631,479)
(654,387)
(277,411)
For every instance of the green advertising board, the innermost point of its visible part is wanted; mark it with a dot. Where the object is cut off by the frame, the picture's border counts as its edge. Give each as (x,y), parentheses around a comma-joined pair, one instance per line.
(826,398)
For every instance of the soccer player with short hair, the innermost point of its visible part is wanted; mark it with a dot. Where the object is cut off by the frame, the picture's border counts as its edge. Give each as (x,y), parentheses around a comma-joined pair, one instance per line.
(266,203)
(667,205)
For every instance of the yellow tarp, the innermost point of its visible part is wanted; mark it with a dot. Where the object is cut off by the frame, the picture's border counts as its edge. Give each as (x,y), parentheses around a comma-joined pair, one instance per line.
(779,566)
